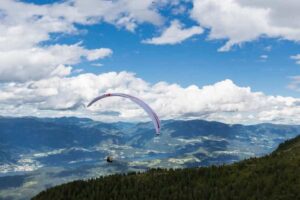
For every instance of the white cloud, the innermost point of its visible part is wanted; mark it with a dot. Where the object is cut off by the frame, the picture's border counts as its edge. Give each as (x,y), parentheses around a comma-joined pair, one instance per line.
(24,27)
(297,58)
(41,62)
(34,76)
(97,54)
(175,34)
(223,101)
(240,21)
(124,13)
(179,10)
(264,57)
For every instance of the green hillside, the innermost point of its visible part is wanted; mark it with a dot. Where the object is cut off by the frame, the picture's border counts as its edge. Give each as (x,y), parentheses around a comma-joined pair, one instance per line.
(276,176)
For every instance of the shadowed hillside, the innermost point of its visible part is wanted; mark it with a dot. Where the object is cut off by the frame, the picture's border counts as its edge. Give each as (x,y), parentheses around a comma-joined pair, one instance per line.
(276,176)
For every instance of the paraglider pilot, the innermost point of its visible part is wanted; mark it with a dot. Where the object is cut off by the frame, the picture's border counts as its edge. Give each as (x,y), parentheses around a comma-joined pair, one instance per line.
(109,159)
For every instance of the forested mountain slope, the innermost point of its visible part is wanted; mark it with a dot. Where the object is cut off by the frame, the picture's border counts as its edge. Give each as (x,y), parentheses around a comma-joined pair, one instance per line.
(275,176)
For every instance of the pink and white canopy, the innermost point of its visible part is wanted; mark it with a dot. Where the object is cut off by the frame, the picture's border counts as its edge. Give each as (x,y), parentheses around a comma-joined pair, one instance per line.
(136,100)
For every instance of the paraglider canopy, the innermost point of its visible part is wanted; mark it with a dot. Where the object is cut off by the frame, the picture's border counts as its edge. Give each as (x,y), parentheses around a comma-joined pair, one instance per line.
(136,100)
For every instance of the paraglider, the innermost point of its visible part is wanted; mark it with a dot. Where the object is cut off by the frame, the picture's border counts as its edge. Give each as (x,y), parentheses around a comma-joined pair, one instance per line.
(136,100)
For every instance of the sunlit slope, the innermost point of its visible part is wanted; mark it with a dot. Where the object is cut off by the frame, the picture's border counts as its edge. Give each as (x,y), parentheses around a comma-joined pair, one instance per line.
(276,176)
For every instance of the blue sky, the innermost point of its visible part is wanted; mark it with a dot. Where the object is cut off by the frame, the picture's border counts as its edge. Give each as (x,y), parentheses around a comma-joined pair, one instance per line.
(196,60)
(234,60)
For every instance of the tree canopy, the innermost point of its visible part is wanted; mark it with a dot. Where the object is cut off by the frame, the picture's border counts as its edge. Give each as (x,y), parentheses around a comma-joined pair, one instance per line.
(275,176)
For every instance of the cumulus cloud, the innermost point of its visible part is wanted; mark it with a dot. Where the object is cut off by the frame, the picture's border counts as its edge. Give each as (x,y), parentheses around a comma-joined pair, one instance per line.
(37,63)
(175,34)
(61,16)
(239,21)
(25,27)
(179,10)
(223,101)
(96,54)
(34,74)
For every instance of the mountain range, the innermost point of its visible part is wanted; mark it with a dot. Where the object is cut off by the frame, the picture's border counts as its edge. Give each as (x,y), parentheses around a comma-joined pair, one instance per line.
(38,153)
(274,176)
